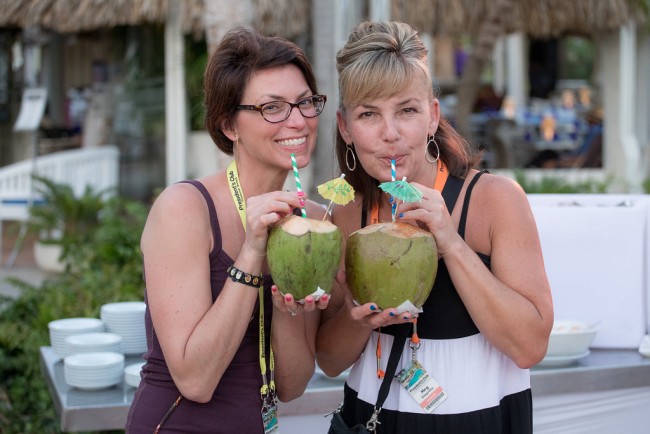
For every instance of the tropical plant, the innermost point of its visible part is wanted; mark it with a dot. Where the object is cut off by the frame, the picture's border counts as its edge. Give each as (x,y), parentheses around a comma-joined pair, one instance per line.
(108,268)
(61,217)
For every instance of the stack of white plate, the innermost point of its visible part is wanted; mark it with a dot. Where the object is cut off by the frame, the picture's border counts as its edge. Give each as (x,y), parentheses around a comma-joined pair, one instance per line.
(127,320)
(91,371)
(132,374)
(60,329)
(93,343)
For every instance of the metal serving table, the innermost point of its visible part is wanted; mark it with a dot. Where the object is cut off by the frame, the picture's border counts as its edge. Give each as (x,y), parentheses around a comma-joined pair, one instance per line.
(106,409)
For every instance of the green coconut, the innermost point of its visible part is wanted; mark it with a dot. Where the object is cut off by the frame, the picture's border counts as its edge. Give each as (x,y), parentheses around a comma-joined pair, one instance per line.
(390,263)
(304,255)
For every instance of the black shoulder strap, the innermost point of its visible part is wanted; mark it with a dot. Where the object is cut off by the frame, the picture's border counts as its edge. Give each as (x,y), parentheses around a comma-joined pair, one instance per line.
(395,354)
(212,211)
(463,216)
(451,191)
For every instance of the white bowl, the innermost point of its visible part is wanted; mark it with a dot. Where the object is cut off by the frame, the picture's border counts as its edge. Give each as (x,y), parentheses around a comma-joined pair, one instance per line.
(132,374)
(570,338)
(92,371)
(93,342)
(60,329)
(644,348)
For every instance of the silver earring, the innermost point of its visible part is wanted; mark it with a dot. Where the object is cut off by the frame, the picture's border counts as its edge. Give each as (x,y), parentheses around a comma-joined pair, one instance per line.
(426,153)
(350,151)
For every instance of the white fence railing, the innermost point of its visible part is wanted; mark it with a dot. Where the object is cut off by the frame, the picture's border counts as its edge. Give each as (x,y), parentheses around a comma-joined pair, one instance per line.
(97,168)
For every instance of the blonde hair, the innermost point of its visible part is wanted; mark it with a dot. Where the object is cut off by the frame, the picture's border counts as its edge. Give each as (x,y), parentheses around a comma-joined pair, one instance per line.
(379,60)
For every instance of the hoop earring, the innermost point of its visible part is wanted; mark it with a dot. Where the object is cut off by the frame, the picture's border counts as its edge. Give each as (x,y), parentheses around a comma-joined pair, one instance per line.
(350,151)
(426,153)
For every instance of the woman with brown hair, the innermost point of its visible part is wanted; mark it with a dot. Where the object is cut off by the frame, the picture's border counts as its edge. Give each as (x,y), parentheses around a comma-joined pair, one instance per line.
(223,343)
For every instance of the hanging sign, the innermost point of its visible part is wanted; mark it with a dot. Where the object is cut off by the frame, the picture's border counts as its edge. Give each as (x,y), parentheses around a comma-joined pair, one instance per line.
(32,108)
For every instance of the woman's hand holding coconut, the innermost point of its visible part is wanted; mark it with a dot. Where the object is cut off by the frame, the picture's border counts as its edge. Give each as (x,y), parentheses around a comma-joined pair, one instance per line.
(262,213)
(431,214)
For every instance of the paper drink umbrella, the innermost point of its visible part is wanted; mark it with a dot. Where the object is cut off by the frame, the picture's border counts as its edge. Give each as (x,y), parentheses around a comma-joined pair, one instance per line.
(401,190)
(337,190)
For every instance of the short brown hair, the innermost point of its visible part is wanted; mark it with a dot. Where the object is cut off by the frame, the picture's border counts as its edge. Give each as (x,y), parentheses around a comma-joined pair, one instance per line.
(241,53)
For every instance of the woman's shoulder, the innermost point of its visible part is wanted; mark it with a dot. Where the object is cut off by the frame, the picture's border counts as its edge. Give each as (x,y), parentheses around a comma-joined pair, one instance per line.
(182,204)
(497,186)
(498,194)
(180,197)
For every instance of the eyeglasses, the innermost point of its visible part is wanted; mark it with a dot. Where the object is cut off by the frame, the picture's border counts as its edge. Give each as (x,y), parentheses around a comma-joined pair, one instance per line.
(278,111)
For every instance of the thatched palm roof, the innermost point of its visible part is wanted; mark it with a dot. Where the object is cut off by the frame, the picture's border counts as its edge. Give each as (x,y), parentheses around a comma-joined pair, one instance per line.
(282,17)
(289,18)
(538,18)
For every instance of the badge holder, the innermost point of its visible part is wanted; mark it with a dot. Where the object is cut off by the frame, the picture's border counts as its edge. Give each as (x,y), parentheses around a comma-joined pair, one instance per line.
(270,413)
(416,380)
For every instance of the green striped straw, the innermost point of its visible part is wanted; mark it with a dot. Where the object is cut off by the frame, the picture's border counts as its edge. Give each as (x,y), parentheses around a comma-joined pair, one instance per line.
(296,175)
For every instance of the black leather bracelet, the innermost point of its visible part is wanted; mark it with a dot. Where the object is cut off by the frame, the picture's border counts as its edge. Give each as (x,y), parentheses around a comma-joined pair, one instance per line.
(237,275)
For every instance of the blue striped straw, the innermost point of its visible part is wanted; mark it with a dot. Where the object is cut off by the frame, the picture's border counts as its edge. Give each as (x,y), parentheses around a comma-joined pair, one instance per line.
(393,208)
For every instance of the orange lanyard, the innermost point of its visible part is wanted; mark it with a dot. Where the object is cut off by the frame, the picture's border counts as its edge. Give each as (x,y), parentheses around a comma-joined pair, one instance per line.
(441,180)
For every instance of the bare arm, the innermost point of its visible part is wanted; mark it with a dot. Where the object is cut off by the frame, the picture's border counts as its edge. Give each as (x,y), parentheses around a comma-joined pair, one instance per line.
(511,304)
(199,338)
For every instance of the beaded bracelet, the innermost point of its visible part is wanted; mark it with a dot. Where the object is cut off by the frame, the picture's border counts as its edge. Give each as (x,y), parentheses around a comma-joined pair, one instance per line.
(239,276)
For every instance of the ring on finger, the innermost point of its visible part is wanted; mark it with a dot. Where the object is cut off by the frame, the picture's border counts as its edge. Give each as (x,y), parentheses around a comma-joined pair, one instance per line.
(294,312)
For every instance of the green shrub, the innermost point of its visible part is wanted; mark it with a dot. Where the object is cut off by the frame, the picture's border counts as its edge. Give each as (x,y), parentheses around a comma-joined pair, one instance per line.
(107,268)
(63,218)
(550,184)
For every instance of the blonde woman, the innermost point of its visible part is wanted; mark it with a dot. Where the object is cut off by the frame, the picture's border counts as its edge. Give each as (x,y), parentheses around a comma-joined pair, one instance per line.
(489,314)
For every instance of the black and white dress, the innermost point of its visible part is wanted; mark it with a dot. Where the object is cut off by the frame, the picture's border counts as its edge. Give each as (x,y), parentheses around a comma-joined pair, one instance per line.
(486,391)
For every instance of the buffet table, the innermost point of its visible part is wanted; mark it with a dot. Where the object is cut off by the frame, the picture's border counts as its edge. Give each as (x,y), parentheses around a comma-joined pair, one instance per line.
(607,388)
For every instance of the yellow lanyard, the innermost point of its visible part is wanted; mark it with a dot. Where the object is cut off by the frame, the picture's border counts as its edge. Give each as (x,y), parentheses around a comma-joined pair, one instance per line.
(236,192)
(240,203)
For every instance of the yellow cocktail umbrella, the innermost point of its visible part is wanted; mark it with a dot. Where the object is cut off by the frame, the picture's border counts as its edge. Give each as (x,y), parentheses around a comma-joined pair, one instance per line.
(337,191)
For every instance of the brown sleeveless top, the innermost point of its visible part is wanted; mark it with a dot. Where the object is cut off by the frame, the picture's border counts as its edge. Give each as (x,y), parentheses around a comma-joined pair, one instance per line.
(236,404)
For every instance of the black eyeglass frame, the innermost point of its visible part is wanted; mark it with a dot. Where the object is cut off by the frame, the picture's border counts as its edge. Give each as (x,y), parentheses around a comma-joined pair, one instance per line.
(292,105)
